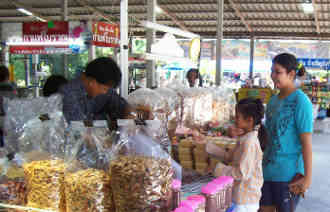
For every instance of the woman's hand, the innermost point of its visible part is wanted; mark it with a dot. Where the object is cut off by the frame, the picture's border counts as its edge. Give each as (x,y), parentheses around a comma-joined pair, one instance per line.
(233,131)
(300,186)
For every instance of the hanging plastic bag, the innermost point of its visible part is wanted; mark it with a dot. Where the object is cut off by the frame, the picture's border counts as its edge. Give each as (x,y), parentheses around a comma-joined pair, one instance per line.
(42,153)
(196,107)
(223,105)
(87,180)
(174,108)
(141,172)
(20,111)
(145,99)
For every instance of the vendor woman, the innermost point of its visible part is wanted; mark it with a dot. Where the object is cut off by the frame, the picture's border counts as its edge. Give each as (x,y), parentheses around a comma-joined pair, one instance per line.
(89,96)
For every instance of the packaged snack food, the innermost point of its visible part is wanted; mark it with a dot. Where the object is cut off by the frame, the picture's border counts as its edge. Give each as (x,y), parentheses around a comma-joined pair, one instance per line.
(21,111)
(196,107)
(223,105)
(141,173)
(44,182)
(88,190)
(13,192)
(87,179)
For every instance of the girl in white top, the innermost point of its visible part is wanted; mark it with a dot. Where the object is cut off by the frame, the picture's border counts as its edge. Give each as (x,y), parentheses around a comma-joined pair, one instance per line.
(246,157)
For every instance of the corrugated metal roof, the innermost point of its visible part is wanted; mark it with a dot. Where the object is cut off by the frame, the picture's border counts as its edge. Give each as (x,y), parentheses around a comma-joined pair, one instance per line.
(270,18)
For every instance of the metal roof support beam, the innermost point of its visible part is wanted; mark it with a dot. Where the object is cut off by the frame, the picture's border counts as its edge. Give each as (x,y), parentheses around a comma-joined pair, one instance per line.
(174,19)
(239,14)
(218,73)
(35,13)
(316,17)
(151,35)
(124,47)
(97,11)
(251,57)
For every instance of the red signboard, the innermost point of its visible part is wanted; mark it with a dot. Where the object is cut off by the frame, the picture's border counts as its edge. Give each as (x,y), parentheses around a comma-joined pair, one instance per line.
(40,50)
(45,32)
(105,34)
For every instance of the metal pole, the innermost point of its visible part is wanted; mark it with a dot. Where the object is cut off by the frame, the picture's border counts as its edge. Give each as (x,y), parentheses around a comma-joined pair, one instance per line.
(124,47)
(151,10)
(65,18)
(218,74)
(35,62)
(251,57)
(3,56)
(27,70)
(92,48)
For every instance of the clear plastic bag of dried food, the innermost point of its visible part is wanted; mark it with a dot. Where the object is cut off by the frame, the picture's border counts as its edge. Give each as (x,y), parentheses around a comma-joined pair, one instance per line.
(20,111)
(171,97)
(196,107)
(87,180)
(94,140)
(141,173)
(45,133)
(44,178)
(145,99)
(223,105)
(174,108)
(42,154)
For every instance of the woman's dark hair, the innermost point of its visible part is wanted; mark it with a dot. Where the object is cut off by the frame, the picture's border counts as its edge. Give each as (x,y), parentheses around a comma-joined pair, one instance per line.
(105,71)
(195,70)
(52,84)
(290,63)
(254,108)
(4,73)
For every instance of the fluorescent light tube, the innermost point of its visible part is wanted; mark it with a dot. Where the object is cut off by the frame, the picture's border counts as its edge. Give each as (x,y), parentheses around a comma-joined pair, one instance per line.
(40,19)
(26,12)
(163,28)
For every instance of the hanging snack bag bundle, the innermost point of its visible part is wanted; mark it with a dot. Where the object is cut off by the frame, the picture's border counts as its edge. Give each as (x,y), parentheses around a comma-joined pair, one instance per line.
(42,150)
(141,173)
(87,180)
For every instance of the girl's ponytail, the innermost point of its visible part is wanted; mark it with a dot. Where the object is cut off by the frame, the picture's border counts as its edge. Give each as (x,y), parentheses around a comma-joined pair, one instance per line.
(263,137)
(301,71)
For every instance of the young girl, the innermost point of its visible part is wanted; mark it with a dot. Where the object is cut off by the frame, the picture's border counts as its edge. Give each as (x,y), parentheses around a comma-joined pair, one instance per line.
(289,123)
(246,157)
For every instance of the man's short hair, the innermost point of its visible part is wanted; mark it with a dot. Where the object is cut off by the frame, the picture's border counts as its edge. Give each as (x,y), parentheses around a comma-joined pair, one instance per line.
(105,71)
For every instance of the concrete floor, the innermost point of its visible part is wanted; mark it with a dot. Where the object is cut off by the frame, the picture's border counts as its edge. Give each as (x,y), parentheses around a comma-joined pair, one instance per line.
(318,197)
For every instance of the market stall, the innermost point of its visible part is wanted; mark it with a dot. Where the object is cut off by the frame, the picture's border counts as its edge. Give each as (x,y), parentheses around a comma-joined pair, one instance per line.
(48,165)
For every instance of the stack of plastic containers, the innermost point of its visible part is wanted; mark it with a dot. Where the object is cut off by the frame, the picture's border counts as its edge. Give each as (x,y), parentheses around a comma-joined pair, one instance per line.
(183,209)
(227,182)
(195,202)
(212,193)
(218,194)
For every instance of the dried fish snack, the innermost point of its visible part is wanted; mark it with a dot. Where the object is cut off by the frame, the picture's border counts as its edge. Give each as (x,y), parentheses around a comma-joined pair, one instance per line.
(141,183)
(88,190)
(45,184)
